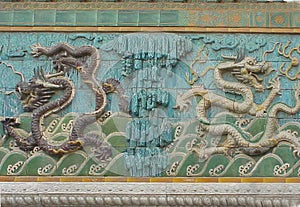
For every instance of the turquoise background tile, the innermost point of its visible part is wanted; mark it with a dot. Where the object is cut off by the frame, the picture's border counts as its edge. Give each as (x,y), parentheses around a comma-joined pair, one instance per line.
(44,17)
(86,18)
(107,18)
(128,18)
(149,18)
(6,17)
(23,17)
(66,18)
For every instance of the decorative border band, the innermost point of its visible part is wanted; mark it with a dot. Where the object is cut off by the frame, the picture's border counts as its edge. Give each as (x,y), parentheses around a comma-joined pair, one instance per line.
(149,194)
(144,14)
(146,5)
(152,29)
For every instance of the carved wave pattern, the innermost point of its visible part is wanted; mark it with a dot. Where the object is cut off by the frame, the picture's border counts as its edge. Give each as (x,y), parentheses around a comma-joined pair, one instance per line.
(183,162)
(280,161)
(82,162)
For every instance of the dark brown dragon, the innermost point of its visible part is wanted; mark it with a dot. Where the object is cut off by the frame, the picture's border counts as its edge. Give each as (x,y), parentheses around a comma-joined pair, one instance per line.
(85,60)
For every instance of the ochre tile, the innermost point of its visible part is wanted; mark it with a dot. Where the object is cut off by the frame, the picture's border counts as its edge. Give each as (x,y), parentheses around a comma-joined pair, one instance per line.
(207,180)
(292,180)
(260,30)
(252,180)
(105,29)
(229,180)
(129,29)
(21,29)
(7,178)
(42,28)
(138,179)
(87,29)
(93,179)
(5,28)
(70,179)
(65,29)
(48,179)
(274,180)
(25,179)
(145,29)
(195,29)
(221,29)
(239,29)
(115,179)
(183,180)
(161,179)
(283,30)
(151,29)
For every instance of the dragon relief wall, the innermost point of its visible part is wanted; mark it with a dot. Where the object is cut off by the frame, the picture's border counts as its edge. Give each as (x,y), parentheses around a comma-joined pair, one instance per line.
(150,104)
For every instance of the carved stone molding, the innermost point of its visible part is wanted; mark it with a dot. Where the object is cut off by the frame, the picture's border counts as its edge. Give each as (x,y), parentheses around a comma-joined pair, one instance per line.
(150,194)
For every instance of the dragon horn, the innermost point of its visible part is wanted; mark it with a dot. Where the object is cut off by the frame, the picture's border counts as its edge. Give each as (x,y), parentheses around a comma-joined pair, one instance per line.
(240,56)
(35,73)
(229,57)
(42,73)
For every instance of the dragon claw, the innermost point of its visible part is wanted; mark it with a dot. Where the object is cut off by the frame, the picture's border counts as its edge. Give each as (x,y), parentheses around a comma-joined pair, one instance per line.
(36,50)
(274,83)
(10,121)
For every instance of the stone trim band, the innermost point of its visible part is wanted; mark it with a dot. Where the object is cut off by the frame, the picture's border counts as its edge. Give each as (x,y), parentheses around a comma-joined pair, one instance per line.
(149,194)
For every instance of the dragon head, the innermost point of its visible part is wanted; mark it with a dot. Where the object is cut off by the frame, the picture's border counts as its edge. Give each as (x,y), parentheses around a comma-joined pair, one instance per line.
(22,89)
(35,92)
(247,70)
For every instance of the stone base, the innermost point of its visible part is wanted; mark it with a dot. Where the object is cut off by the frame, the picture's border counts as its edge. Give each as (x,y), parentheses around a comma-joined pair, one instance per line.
(149,194)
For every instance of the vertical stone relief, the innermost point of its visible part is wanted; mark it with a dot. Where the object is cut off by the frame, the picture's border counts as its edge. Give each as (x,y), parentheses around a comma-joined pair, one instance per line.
(150,104)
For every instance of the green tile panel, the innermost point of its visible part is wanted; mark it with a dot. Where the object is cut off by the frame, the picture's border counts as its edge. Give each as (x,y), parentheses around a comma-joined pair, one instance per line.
(6,18)
(23,17)
(276,15)
(65,18)
(84,18)
(128,18)
(169,18)
(107,18)
(149,18)
(44,17)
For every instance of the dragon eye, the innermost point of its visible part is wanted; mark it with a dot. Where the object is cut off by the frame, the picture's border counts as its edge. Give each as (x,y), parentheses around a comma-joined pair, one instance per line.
(251,62)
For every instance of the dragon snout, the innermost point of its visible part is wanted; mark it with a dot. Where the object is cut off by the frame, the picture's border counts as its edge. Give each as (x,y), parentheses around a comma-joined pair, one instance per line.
(265,66)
